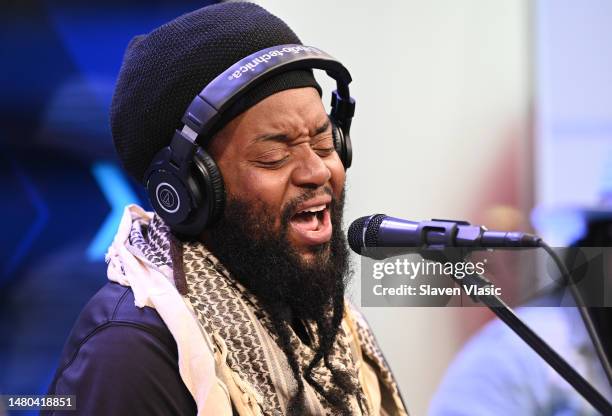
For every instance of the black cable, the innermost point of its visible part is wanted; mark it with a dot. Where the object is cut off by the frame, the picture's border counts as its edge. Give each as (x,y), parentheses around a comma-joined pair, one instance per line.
(582,308)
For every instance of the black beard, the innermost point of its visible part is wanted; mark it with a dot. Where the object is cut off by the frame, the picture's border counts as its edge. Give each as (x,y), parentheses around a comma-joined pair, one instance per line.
(290,289)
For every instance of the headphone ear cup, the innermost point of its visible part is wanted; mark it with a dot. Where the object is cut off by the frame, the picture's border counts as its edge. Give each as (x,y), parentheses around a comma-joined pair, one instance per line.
(168,193)
(342,144)
(190,201)
(214,199)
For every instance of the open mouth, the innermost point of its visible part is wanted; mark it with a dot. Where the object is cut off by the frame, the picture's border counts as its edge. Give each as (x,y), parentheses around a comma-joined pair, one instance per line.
(310,218)
(312,225)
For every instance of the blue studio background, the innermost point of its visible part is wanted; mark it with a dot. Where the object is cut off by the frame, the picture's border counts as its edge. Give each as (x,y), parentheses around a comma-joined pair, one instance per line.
(60,176)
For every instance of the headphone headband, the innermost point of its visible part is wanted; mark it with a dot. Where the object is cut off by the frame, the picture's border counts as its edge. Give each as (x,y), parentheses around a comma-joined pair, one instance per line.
(228,86)
(184,183)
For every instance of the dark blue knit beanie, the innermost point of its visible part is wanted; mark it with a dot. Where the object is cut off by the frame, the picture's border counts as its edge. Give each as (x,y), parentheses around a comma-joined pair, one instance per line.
(165,69)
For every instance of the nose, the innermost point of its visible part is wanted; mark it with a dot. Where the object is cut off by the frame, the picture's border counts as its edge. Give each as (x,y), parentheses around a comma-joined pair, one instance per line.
(310,171)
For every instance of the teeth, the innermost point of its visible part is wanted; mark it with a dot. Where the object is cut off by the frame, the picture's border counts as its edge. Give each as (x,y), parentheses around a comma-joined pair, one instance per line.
(313,209)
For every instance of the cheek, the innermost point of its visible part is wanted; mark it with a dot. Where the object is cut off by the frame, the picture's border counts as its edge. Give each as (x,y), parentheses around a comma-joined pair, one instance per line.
(251,185)
(338,177)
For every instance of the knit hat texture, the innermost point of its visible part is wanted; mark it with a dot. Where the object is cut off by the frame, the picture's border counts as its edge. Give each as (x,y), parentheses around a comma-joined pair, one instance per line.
(165,69)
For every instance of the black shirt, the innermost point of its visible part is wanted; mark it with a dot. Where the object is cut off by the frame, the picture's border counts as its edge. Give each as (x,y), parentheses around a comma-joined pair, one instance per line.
(121,360)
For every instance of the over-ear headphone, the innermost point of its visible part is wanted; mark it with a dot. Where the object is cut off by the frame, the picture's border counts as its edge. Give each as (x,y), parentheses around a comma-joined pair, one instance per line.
(183,182)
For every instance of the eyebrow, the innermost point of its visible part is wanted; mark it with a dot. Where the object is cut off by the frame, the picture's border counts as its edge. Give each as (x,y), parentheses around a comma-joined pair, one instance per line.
(283,137)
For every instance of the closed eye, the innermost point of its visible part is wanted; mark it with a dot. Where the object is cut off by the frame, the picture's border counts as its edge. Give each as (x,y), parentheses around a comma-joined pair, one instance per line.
(273,165)
(324,145)
(271,161)
(325,151)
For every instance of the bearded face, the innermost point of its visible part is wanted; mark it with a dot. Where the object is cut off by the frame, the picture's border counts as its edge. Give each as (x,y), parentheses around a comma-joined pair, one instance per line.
(281,232)
(265,262)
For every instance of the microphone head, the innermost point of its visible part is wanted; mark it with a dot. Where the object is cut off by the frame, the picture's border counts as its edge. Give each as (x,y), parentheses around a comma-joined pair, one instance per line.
(373,227)
(355,234)
(364,227)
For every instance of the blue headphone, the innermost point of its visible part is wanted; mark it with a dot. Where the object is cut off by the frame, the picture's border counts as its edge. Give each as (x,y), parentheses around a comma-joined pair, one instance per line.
(183,182)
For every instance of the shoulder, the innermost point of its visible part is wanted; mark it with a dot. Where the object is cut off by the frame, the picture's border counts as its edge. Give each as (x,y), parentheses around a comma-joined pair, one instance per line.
(353,313)
(113,306)
(364,336)
(360,324)
(122,358)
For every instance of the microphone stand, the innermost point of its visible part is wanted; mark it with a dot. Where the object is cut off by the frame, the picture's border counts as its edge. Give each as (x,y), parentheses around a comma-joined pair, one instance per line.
(507,315)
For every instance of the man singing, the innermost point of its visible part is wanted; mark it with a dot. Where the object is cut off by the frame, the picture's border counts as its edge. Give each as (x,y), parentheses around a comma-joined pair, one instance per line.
(247,315)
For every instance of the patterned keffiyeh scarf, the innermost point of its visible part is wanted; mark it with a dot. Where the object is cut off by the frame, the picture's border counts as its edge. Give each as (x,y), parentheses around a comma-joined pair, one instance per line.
(226,309)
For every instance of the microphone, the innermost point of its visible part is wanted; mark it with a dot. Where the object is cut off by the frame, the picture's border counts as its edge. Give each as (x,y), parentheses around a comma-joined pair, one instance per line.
(401,236)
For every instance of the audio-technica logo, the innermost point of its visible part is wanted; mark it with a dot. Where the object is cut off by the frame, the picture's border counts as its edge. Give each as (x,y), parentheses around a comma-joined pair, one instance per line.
(167,197)
(265,57)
